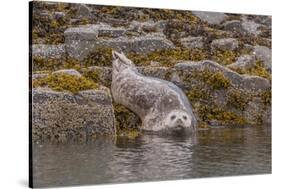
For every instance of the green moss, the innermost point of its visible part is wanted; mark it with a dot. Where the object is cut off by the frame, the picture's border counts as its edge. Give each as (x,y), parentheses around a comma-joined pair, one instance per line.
(99,57)
(266,97)
(202,125)
(207,113)
(237,99)
(213,80)
(92,75)
(224,57)
(54,24)
(61,82)
(255,40)
(40,63)
(218,81)
(167,57)
(197,94)
(127,122)
(258,70)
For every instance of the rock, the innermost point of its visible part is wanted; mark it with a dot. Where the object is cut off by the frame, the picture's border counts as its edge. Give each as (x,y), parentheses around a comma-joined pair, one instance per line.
(265,20)
(68,72)
(87,32)
(93,31)
(251,27)
(44,16)
(159,72)
(214,123)
(78,46)
(233,26)
(84,11)
(39,75)
(176,79)
(108,31)
(264,54)
(155,64)
(243,62)
(116,21)
(147,27)
(192,42)
(244,82)
(99,74)
(229,100)
(58,15)
(225,44)
(48,51)
(213,18)
(63,116)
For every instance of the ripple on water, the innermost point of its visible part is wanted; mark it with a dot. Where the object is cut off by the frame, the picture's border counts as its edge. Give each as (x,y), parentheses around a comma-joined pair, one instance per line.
(214,152)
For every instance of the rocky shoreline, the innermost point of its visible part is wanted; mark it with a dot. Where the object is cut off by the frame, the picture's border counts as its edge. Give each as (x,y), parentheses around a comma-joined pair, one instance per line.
(221,61)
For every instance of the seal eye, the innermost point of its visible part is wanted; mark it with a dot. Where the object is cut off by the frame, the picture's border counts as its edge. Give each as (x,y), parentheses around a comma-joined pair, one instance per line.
(173,117)
(184,117)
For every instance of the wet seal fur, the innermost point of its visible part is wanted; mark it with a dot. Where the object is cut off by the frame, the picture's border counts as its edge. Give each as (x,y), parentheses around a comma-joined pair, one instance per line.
(160,104)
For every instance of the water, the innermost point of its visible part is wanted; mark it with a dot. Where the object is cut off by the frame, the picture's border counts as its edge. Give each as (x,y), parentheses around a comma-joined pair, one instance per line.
(214,152)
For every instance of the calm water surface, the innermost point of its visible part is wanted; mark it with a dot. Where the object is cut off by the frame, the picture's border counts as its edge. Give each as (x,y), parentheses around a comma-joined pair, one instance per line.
(214,152)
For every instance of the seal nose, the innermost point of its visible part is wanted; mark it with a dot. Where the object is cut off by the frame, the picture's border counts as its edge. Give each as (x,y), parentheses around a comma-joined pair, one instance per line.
(179,121)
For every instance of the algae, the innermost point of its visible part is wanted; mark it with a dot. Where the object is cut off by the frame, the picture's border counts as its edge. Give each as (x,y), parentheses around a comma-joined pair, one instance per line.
(65,82)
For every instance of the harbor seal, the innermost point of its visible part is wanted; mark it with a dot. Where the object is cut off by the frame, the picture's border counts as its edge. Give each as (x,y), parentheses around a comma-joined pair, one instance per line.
(160,104)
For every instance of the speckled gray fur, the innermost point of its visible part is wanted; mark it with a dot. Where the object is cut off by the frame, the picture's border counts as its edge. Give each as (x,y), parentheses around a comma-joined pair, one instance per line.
(153,100)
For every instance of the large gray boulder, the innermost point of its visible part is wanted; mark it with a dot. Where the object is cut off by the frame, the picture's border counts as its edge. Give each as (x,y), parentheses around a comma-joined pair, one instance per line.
(213,18)
(224,97)
(245,82)
(63,116)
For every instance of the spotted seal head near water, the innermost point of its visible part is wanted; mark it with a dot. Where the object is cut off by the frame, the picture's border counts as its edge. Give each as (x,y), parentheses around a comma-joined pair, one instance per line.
(160,104)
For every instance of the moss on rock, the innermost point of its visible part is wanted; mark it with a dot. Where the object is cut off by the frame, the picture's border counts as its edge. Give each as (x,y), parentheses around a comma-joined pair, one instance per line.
(197,94)
(65,82)
(127,122)
(266,97)
(218,81)
(168,57)
(51,64)
(99,57)
(258,70)
(237,99)
(225,117)
(224,57)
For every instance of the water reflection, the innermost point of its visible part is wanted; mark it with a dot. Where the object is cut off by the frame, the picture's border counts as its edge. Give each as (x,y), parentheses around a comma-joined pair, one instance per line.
(214,152)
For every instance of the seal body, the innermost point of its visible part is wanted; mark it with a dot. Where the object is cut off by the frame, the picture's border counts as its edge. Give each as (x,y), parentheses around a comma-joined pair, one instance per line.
(160,104)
